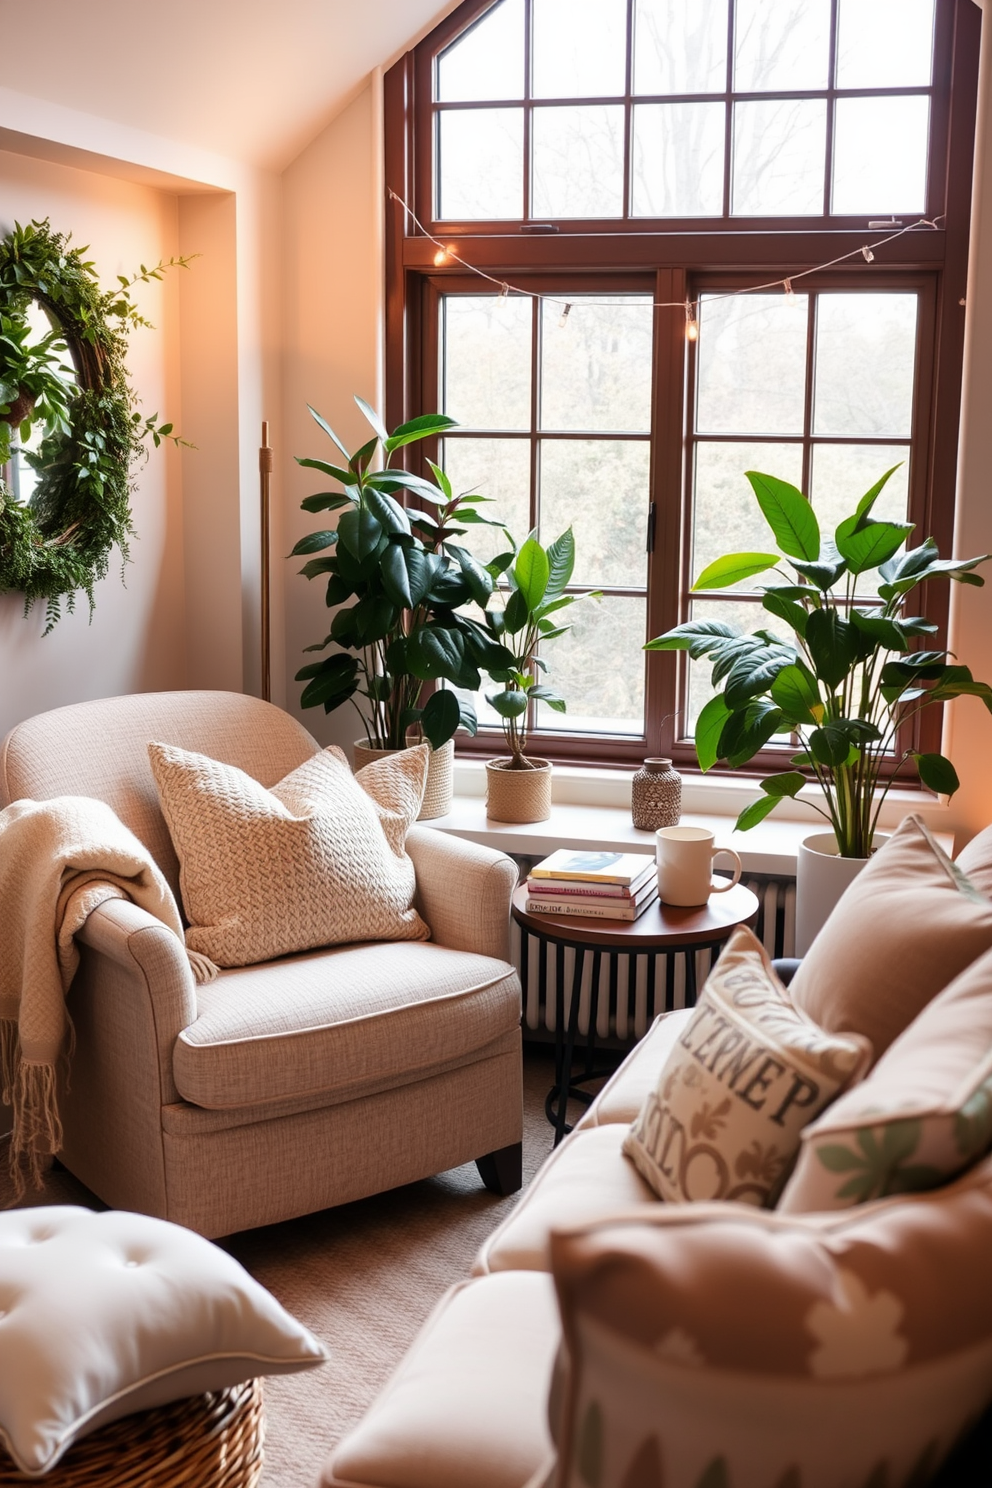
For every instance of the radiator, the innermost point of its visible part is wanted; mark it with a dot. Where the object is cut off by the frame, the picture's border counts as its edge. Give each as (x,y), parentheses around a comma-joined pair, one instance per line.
(624,1009)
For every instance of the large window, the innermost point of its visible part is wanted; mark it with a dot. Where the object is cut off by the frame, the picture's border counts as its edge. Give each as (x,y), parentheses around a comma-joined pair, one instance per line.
(647,184)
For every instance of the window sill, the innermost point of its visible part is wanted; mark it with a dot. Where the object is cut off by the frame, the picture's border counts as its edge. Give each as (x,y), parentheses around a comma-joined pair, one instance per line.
(591,808)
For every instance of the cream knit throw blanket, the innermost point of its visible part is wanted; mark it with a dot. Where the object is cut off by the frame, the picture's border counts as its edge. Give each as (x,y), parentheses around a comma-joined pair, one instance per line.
(59,860)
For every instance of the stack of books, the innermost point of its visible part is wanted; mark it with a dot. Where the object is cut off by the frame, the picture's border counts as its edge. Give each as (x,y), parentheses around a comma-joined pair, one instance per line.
(598,885)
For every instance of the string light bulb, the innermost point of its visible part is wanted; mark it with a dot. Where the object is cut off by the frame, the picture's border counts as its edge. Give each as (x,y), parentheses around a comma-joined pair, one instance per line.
(440,258)
(564,317)
(791,298)
(691,324)
(869,257)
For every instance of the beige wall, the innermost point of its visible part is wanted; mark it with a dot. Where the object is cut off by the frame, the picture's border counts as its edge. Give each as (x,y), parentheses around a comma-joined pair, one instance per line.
(137,639)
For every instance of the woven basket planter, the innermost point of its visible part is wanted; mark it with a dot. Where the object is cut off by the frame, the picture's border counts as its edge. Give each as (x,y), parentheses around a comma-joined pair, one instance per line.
(440,775)
(518,795)
(207,1441)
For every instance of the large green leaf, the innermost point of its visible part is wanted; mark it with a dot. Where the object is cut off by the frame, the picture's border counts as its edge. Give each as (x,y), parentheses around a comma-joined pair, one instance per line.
(826,571)
(889,634)
(318,418)
(511,703)
(359,532)
(733,567)
(561,563)
(694,636)
(373,418)
(753,674)
(435,652)
(786,608)
(478,579)
(396,576)
(749,730)
(387,512)
(418,428)
(441,717)
(867,545)
(937,772)
(794,690)
(709,728)
(330,682)
(872,494)
(532,572)
(314,542)
(318,566)
(830,745)
(831,645)
(789,783)
(756,812)
(788,514)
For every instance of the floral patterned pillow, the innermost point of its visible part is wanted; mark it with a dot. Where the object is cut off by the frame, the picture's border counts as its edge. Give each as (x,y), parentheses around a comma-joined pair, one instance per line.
(744,1078)
(923,1114)
(719,1347)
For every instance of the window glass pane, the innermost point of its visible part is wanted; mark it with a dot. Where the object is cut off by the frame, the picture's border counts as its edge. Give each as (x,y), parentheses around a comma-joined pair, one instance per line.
(487,62)
(779,153)
(747,616)
(885,43)
(580,48)
(677,165)
(781,44)
(578,161)
(726,516)
(598,668)
(596,369)
(481,172)
(500,470)
(680,46)
(880,155)
(841,475)
(485,361)
(599,488)
(751,364)
(865,364)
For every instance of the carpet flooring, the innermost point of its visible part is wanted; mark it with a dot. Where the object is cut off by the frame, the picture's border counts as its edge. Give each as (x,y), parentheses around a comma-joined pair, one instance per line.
(363,1278)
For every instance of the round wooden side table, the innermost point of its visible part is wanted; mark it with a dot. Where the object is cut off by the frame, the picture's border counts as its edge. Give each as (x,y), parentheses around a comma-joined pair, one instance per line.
(662,928)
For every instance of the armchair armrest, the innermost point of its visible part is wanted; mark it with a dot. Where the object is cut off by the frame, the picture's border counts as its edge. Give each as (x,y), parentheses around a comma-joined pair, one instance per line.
(463,891)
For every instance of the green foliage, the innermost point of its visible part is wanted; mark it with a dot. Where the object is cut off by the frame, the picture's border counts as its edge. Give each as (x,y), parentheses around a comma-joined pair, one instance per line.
(400,584)
(848,678)
(73,385)
(538,579)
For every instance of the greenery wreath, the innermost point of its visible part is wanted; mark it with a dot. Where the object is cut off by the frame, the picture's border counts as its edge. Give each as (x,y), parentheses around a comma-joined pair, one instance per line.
(71,385)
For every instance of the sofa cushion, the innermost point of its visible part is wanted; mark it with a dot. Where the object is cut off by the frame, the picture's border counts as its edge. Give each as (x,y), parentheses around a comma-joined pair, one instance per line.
(721,1345)
(317,860)
(468,1403)
(625,1092)
(904,929)
(583,1179)
(975,859)
(340,1020)
(106,1314)
(745,1076)
(923,1114)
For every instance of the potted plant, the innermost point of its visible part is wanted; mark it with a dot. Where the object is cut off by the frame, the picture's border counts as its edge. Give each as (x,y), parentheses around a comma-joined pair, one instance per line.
(519,788)
(845,683)
(399,583)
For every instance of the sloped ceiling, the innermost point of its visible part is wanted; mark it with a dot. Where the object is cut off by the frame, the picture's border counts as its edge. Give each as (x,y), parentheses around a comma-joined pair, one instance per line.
(254,80)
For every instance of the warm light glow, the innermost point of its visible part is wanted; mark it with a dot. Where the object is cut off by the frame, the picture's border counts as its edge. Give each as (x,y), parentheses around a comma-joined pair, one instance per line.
(691,324)
(440,258)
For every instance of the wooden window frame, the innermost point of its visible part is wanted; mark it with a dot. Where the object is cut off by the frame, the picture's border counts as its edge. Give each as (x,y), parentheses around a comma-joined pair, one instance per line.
(682,254)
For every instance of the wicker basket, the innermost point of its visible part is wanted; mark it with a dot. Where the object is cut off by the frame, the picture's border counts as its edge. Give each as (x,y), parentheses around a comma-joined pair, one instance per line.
(440,775)
(518,795)
(207,1441)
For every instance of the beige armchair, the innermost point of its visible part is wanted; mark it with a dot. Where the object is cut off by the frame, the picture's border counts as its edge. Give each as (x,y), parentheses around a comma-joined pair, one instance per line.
(287,1087)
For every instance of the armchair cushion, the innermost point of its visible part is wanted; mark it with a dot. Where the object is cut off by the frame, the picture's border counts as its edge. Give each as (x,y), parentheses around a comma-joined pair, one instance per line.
(317,860)
(339,1022)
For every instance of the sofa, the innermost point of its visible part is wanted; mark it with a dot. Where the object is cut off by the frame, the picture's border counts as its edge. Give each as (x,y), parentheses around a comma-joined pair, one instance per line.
(306,1080)
(570,1358)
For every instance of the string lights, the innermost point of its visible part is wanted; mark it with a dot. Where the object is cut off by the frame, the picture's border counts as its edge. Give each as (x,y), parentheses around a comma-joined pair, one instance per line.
(446,254)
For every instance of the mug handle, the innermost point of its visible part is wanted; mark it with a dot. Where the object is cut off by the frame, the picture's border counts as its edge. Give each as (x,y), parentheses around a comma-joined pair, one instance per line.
(722,887)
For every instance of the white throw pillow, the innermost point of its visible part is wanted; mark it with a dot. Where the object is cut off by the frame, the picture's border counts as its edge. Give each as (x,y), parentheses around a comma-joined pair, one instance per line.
(105,1314)
(317,860)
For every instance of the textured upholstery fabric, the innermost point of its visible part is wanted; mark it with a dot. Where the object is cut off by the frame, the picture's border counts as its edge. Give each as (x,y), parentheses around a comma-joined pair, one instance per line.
(101,749)
(626,1091)
(923,1114)
(740,1083)
(328,1021)
(904,929)
(466,1408)
(105,1314)
(975,859)
(462,892)
(317,860)
(719,1344)
(583,1180)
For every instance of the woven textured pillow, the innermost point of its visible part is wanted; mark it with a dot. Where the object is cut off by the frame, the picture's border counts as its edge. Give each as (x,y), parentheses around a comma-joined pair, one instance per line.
(317,860)
(922,1115)
(712,1346)
(745,1076)
(907,925)
(105,1314)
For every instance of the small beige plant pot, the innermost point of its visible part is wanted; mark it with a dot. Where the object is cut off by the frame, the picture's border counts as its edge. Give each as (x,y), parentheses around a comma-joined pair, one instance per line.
(518,795)
(440,790)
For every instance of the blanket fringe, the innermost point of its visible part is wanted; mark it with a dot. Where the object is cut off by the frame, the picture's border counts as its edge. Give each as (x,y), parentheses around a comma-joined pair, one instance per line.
(202,967)
(32,1091)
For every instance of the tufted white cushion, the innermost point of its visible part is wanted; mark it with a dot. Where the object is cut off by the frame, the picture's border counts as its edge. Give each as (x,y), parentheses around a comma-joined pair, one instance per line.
(105,1314)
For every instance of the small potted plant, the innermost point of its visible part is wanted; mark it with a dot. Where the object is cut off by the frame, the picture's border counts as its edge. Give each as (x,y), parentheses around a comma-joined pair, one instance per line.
(845,683)
(519,788)
(399,583)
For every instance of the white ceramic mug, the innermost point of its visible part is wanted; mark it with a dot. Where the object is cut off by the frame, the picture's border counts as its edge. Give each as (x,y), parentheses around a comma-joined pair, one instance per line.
(685,865)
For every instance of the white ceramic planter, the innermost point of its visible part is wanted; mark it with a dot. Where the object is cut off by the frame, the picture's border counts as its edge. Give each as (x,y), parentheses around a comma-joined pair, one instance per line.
(822,876)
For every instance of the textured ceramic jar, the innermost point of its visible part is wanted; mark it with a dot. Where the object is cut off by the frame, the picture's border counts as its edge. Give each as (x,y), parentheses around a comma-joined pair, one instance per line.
(656,795)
